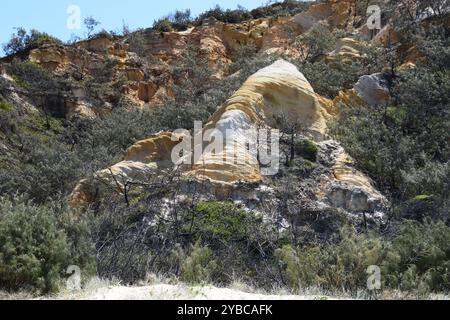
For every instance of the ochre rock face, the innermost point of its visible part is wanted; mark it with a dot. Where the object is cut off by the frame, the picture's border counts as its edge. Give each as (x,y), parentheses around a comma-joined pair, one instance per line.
(141,160)
(50,56)
(348,50)
(280,34)
(216,43)
(344,171)
(157,149)
(97,44)
(371,90)
(336,13)
(279,89)
(355,191)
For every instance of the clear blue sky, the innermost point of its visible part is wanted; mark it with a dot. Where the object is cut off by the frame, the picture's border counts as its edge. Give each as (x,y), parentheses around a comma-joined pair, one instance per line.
(51,15)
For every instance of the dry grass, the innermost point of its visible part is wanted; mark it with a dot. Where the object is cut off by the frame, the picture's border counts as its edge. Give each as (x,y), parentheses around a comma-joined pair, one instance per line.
(159,287)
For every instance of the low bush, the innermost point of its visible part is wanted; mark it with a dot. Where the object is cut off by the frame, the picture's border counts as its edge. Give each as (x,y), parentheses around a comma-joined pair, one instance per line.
(307,149)
(178,21)
(44,168)
(285,7)
(38,243)
(206,241)
(163,25)
(329,81)
(4,105)
(200,266)
(221,221)
(228,16)
(416,261)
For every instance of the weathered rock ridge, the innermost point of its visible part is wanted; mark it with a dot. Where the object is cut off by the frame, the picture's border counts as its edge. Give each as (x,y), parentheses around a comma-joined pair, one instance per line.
(149,83)
(279,89)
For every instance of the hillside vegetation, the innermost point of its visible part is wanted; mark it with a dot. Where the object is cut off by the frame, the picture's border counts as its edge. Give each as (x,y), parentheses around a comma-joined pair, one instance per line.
(68,111)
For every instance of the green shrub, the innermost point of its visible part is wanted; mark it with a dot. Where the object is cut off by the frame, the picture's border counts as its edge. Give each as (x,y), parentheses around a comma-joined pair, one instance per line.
(4,105)
(329,81)
(44,167)
(332,267)
(418,259)
(181,19)
(38,243)
(285,7)
(22,41)
(90,23)
(315,43)
(228,16)
(301,267)
(200,266)
(136,41)
(35,78)
(222,220)
(163,25)
(307,149)
(20,81)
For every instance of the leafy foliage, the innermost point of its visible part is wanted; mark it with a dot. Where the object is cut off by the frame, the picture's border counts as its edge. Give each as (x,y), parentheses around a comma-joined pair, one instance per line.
(4,105)
(315,43)
(179,21)
(163,25)
(228,16)
(221,221)
(22,41)
(38,243)
(199,266)
(307,149)
(416,261)
(403,146)
(90,24)
(385,140)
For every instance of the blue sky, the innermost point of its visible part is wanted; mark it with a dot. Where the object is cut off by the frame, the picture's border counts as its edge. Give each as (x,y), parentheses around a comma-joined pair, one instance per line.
(51,15)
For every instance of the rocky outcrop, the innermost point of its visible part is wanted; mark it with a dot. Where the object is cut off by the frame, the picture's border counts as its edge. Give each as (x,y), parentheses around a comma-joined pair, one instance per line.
(279,89)
(354,191)
(371,90)
(50,56)
(99,44)
(348,50)
(145,158)
(335,13)
(213,40)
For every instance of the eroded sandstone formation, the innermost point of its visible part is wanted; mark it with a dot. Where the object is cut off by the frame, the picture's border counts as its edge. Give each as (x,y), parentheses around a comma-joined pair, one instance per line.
(279,89)
(215,41)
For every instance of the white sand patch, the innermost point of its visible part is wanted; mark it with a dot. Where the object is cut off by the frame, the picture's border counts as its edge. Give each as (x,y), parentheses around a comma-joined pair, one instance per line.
(176,292)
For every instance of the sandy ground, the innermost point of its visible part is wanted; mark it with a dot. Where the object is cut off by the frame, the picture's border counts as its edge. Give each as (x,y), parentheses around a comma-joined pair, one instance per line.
(175,292)
(104,291)
(160,289)
(169,292)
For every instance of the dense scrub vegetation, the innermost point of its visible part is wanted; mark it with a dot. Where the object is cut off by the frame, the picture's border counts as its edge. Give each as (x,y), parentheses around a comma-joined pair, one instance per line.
(416,260)
(39,243)
(408,154)
(404,146)
(181,20)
